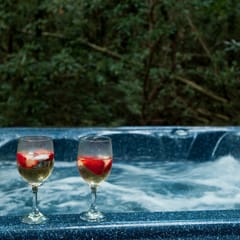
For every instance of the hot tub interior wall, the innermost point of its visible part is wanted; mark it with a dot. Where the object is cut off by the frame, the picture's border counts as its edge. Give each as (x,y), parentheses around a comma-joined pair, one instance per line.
(160,144)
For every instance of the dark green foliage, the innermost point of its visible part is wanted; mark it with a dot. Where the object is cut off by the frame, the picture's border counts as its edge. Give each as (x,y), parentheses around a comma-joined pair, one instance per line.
(93,63)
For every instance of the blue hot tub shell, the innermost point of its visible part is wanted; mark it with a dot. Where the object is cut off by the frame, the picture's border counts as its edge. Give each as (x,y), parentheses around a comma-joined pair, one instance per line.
(170,143)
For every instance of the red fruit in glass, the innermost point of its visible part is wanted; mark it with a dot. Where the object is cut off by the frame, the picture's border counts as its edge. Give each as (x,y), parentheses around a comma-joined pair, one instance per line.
(94,169)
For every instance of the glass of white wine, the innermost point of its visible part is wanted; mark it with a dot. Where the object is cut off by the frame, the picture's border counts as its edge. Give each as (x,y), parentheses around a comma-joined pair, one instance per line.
(94,162)
(35,160)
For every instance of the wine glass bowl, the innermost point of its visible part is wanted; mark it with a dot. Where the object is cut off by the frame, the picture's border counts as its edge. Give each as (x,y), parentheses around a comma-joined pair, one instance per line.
(94,162)
(94,170)
(35,161)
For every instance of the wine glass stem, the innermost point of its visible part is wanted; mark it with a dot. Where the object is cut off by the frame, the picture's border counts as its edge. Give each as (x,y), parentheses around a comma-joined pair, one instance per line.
(93,207)
(35,202)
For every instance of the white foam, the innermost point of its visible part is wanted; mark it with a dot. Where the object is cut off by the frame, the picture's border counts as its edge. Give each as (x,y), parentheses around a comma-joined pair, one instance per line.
(132,186)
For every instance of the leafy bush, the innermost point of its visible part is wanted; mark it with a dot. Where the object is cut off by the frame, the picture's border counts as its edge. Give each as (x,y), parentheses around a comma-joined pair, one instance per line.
(93,63)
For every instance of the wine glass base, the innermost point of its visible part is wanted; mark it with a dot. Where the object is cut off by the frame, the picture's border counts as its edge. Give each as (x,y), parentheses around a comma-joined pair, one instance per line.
(92,216)
(33,218)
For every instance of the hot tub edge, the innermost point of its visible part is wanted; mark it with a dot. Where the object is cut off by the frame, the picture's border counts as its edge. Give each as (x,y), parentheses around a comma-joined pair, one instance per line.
(224,224)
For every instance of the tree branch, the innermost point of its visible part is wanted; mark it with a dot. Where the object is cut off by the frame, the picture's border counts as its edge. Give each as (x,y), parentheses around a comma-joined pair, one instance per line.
(200,39)
(209,114)
(87,44)
(200,89)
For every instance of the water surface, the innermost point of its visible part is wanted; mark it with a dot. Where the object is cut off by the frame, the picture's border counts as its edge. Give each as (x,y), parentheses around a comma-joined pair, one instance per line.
(136,185)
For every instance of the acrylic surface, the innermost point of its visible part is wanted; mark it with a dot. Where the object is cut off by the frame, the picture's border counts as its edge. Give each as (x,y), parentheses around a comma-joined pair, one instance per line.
(162,178)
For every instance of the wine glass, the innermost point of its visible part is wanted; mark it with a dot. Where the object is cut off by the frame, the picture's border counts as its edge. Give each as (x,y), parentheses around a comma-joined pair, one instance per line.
(94,162)
(35,160)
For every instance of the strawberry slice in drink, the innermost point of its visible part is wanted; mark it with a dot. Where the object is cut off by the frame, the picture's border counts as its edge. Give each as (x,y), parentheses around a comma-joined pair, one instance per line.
(31,159)
(96,165)
(26,160)
(108,166)
(92,164)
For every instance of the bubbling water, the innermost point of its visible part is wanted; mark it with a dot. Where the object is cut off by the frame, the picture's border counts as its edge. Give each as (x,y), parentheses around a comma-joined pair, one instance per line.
(137,185)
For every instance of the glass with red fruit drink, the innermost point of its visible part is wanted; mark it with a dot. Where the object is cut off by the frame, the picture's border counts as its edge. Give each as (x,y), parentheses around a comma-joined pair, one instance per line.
(94,162)
(35,160)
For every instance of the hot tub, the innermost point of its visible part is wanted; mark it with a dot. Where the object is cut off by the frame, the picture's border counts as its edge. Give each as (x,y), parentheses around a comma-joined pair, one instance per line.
(166,183)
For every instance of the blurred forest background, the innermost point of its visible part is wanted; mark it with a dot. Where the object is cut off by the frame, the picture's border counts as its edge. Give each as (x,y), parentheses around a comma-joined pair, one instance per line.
(119,63)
